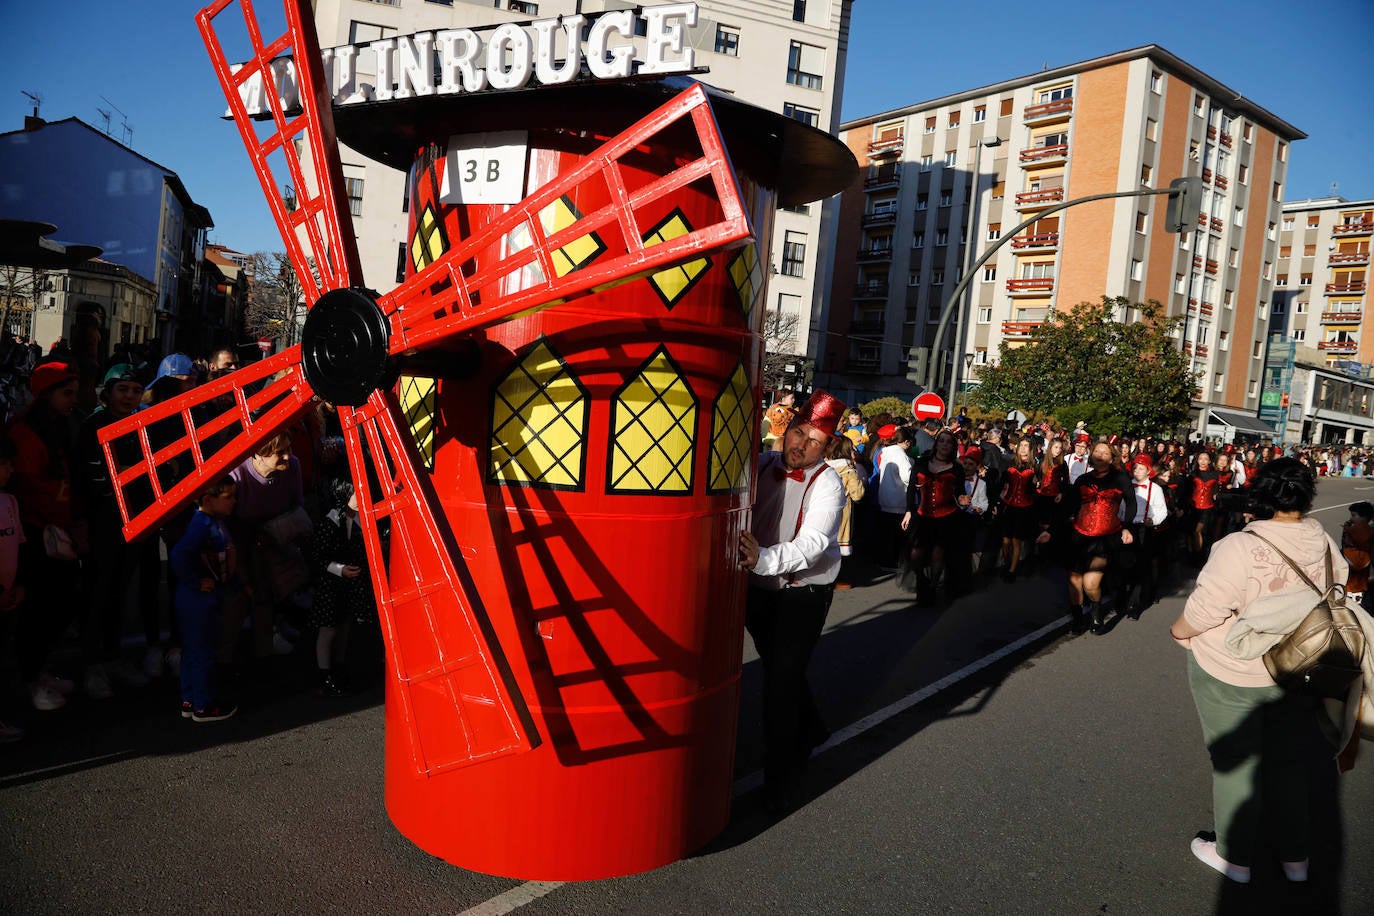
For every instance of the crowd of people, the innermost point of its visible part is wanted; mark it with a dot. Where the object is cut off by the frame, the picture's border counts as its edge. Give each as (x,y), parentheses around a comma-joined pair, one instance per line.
(265,558)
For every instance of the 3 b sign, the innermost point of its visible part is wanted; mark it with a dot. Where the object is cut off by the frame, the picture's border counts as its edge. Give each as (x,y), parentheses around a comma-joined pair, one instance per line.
(486,168)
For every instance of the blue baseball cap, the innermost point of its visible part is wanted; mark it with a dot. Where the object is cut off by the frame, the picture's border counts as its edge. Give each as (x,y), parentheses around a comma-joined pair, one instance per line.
(178,365)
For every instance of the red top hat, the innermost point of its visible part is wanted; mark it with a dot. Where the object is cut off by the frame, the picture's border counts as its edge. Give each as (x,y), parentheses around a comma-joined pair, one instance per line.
(822,411)
(973,453)
(1082,437)
(1146,460)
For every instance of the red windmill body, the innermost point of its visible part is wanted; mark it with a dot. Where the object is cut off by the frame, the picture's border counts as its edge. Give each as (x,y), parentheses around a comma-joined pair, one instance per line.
(561,604)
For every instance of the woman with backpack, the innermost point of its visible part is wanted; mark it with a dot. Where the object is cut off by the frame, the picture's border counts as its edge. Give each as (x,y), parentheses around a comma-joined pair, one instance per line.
(1255,730)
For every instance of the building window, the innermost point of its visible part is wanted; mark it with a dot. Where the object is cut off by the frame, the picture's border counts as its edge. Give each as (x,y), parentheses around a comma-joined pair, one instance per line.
(1253,389)
(1199,104)
(1313,221)
(926,162)
(1299,334)
(793,254)
(930,124)
(1247,132)
(1287,224)
(1233,259)
(980,356)
(1238,217)
(942,237)
(524,6)
(401,261)
(1006,108)
(1268,270)
(918,240)
(1277,192)
(1140,223)
(985,316)
(805,65)
(980,114)
(1281,280)
(999,190)
(922,202)
(946,198)
(937,277)
(1224,340)
(1146,172)
(727,40)
(1309,251)
(1151,129)
(913,278)
(1283,152)
(954,117)
(1180,283)
(989,274)
(808,116)
(1257,350)
(1243,174)
(1304,279)
(994,231)
(1156,81)
(1218,381)
(951,159)
(799,10)
(1271,233)
(1137,269)
(354,187)
(1279,307)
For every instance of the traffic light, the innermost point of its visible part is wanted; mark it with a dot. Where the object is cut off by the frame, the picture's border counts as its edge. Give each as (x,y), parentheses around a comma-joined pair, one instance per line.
(1185,204)
(917,362)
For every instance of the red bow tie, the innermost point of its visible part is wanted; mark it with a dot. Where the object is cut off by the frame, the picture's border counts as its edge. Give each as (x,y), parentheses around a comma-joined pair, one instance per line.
(783,474)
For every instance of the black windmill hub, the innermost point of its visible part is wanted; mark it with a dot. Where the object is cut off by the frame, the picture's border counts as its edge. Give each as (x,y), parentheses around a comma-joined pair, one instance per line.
(344,347)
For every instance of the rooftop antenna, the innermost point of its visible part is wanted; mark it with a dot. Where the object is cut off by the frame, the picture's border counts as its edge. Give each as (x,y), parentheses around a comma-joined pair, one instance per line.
(104,116)
(35,98)
(126,132)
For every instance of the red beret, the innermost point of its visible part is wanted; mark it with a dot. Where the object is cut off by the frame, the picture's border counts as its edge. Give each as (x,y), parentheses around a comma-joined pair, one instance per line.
(888,431)
(973,453)
(47,376)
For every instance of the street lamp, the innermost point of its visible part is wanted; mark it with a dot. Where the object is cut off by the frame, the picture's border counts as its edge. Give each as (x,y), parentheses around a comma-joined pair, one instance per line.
(969,229)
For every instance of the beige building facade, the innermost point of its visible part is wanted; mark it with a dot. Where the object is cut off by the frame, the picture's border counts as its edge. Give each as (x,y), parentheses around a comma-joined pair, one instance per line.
(944,180)
(784,55)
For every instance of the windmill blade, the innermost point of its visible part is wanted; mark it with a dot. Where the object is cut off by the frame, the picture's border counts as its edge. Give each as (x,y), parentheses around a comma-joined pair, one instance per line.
(450,296)
(161,457)
(457,696)
(316,227)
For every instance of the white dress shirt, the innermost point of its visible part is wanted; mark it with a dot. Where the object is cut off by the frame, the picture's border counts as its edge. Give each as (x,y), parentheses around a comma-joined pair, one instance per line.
(1077,465)
(797,523)
(1149,500)
(976,488)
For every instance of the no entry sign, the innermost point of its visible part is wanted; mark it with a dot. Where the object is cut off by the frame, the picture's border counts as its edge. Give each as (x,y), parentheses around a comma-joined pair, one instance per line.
(265,344)
(927,406)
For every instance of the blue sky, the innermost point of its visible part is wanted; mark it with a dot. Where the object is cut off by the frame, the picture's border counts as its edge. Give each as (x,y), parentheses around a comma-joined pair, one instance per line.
(1307,63)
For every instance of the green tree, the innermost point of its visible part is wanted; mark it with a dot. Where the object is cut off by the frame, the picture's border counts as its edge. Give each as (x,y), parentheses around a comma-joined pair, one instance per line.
(1116,353)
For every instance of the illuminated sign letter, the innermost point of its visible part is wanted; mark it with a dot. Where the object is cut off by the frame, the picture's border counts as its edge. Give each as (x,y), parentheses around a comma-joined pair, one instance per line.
(546,49)
(382,49)
(622,58)
(414,65)
(509,35)
(664,33)
(457,49)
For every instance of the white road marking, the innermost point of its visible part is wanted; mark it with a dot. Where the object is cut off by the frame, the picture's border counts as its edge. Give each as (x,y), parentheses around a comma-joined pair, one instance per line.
(530,891)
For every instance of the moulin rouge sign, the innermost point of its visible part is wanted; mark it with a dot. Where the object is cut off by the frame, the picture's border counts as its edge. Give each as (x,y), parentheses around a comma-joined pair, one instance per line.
(508,56)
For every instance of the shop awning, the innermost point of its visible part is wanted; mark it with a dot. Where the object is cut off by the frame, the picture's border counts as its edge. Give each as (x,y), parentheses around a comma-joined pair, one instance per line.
(1242,422)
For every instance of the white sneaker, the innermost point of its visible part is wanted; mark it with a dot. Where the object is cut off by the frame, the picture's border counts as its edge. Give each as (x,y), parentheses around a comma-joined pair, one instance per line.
(58,684)
(152,662)
(1206,851)
(98,683)
(45,699)
(10,733)
(125,672)
(174,661)
(1295,871)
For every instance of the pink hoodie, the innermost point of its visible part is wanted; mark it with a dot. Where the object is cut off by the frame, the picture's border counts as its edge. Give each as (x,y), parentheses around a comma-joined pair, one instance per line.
(1239,570)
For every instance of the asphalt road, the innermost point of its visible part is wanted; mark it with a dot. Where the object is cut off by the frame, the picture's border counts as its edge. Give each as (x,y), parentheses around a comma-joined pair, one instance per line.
(1066,777)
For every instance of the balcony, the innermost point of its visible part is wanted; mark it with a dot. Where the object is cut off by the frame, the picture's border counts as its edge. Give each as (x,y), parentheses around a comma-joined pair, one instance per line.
(1019,328)
(879,218)
(1204,309)
(1342,317)
(1343,229)
(887,147)
(1206,176)
(1202,351)
(1223,182)
(1041,155)
(863,365)
(869,327)
(1209,265)
(882,181)
(1031,285)
(1338,346)
(874,254)
(1059,109)
(1044,240)
(875,289)
(1357,287)
(1226,140)
(1349,257)
(1216,224)
(1030,200)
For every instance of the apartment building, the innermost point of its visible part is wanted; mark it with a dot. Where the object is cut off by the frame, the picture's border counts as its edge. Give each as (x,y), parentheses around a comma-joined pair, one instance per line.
(943,180)
(784,55)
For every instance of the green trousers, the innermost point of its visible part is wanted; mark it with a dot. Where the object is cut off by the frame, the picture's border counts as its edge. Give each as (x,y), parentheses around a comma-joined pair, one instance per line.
(1255,737)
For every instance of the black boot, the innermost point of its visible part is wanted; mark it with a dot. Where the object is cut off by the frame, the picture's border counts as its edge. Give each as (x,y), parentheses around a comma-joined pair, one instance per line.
(1099,617)
(1078,619)
(331,684)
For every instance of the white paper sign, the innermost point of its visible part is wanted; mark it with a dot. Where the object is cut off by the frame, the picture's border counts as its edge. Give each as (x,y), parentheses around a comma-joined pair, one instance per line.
(486,168)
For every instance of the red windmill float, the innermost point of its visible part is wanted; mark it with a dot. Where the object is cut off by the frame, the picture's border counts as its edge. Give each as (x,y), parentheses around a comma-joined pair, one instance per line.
(559,705)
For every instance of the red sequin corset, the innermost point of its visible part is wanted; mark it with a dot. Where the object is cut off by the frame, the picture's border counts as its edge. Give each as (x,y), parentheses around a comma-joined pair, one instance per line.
(1020,487)
(1250,470)
(1224,479)
(1099,504)
(1053,483)
(938,489)
(1205,489)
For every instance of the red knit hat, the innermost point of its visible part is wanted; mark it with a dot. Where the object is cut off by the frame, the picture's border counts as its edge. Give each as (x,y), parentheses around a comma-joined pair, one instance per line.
(822,411)
(47,376)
